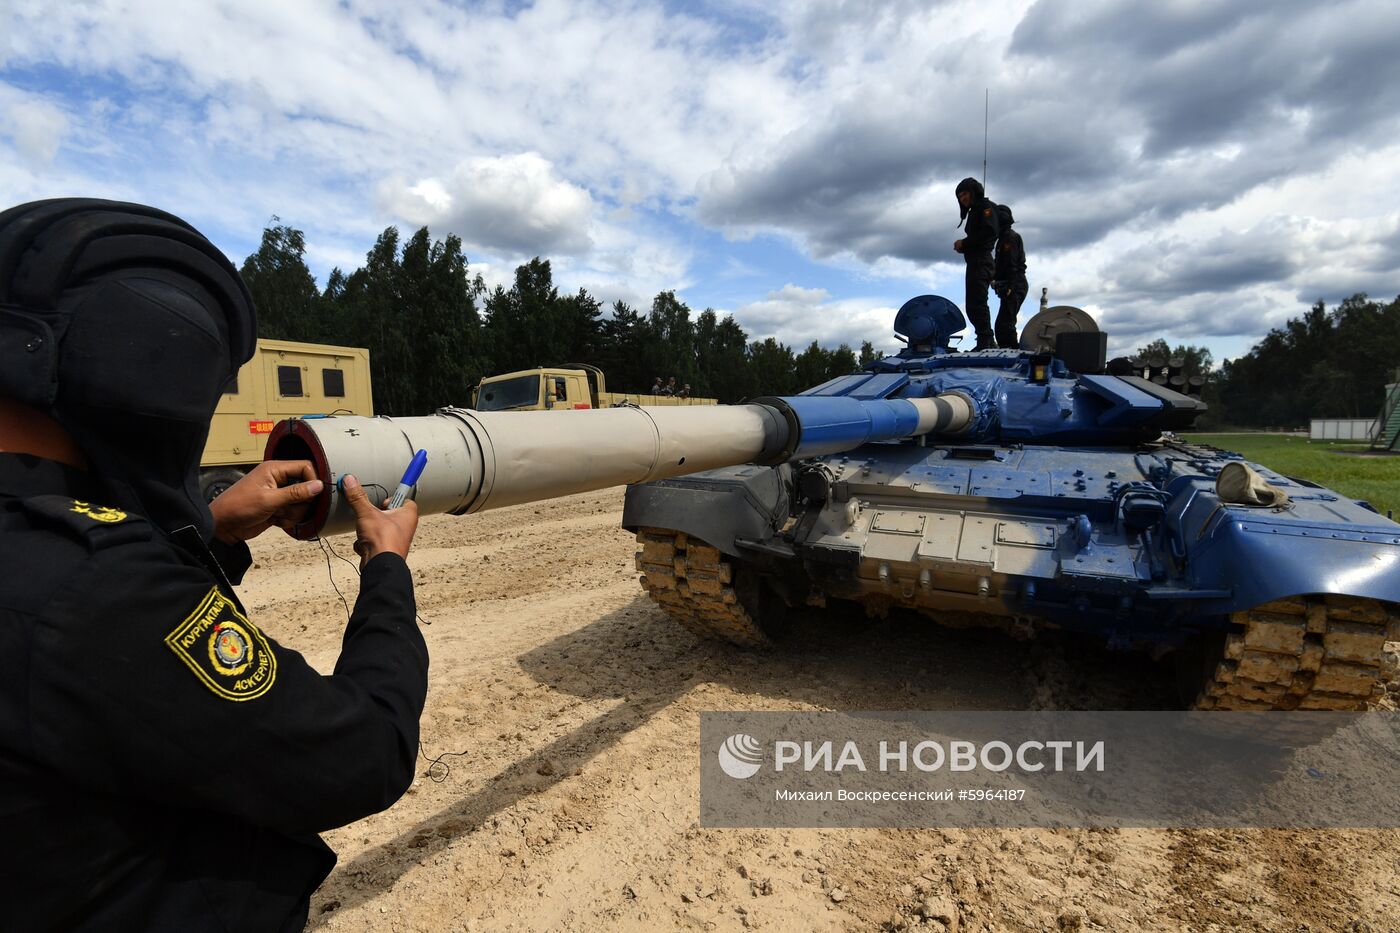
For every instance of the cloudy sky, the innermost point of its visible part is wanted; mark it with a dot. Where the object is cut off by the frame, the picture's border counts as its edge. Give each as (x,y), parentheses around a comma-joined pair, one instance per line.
(1196,171)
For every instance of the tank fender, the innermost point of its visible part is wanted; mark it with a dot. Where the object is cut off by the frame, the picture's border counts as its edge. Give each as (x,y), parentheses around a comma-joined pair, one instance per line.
(1260,560)
(717,506)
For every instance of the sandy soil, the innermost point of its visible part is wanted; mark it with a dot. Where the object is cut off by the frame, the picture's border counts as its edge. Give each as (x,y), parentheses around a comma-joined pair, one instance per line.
(567,707)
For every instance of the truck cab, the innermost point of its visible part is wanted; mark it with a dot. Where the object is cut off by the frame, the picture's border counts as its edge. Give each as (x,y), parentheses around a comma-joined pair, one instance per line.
(539,389)
(571,386)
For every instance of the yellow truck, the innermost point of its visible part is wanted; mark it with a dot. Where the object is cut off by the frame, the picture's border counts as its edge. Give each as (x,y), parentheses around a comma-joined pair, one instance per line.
(574,385)
(284,379)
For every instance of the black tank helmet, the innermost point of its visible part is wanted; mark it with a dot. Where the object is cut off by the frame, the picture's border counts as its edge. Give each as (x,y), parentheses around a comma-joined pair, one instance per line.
(967,184)
(124,324)
(1004,217)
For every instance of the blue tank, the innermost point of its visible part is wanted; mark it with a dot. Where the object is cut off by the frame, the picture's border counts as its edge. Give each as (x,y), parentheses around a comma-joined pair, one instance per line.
(1053,492)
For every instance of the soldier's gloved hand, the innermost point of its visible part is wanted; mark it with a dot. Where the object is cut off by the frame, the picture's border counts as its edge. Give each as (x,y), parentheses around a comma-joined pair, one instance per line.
(275,492)
(379,530)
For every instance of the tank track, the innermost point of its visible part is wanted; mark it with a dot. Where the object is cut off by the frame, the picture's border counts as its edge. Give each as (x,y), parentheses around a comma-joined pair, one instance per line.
(1307,653)
(695,584)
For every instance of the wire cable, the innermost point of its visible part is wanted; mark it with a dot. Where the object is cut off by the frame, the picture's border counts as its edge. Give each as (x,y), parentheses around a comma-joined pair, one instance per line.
(326,552)
(326,546)
(438,770)
(434,764)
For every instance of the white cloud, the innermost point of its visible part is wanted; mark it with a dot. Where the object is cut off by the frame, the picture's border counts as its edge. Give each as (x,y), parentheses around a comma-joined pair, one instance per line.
(629,264)
(34,126)
(323,256)
(796,316)
(515,205)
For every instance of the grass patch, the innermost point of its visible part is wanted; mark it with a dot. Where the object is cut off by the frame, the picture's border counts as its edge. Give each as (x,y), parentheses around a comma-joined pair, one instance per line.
(1375,479)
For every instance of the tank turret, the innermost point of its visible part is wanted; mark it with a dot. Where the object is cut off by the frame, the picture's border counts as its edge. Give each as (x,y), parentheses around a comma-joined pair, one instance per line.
(1054,390)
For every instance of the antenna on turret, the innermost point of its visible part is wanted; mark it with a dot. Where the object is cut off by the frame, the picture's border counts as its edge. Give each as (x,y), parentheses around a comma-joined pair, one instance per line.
(986,109)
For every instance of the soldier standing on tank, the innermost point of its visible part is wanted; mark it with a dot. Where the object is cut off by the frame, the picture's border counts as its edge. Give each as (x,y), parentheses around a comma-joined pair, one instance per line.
(1010,278)
(976,248)
(164,764)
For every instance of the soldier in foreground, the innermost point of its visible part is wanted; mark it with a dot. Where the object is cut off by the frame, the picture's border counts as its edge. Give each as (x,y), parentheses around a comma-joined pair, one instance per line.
(976,248)
(163,763)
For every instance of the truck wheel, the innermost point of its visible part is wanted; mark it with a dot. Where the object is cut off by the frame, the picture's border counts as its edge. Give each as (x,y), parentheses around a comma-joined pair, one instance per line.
(213,482)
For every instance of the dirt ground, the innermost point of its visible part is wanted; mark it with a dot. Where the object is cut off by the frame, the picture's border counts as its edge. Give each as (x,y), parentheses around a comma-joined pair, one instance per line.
(567,707)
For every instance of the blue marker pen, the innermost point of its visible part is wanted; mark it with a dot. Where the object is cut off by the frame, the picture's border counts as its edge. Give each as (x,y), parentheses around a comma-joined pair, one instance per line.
(410,478)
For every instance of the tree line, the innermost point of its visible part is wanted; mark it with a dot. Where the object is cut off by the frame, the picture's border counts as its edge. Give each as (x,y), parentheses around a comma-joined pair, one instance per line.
(434,330)
(1325,364)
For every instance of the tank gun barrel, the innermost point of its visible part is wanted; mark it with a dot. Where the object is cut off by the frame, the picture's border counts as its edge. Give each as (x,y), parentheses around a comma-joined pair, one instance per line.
(821,424)
(486,460)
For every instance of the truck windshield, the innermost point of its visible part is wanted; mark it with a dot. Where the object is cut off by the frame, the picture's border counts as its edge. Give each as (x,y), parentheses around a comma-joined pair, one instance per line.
(509,393)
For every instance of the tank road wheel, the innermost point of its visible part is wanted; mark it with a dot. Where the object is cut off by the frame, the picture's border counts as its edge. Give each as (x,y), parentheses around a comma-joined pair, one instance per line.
(696,584)
(1307,653)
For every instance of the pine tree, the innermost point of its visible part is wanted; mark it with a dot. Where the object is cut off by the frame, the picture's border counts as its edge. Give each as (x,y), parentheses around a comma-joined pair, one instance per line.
(671,340)
(284,291)
(620,343)
(523,326)
(774,368)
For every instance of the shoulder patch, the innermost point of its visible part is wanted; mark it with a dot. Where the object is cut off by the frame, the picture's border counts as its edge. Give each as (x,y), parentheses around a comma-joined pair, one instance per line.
(99,525)
(987,212)
(224,650)
(98,513)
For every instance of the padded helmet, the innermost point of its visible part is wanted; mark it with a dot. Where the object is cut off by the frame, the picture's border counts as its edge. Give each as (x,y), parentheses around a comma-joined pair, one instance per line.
(967,184)
(124,324)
